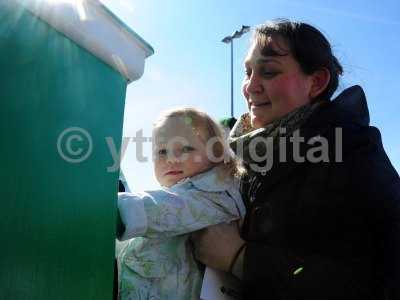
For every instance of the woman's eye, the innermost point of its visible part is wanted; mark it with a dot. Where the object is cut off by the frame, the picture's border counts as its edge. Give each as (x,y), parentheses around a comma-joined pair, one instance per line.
(269,74)
(187,149)
(247,72)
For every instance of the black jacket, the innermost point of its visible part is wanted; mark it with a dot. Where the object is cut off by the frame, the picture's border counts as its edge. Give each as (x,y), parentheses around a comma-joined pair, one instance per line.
(326,230)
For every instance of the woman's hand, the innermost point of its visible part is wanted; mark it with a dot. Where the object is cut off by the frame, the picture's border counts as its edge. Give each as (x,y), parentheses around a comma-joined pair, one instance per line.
(216,246)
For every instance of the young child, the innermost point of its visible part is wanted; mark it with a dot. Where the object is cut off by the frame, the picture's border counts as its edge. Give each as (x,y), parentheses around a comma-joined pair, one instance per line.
(199,188)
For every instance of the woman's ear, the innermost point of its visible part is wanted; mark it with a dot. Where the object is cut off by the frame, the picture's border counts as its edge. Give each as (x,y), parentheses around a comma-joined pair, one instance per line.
(320,80)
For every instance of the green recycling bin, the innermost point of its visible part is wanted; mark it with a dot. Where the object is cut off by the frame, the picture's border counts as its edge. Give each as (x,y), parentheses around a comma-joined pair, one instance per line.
(64,69)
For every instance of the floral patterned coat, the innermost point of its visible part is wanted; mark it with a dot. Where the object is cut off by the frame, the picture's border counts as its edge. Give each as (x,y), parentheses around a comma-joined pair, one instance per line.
(156,261)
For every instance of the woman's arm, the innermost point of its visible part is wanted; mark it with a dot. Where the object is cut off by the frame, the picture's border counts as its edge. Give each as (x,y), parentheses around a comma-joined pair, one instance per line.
(377,182)
(217,247)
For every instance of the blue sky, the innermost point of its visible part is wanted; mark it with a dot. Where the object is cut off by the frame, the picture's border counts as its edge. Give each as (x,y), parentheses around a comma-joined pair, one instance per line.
(190,66)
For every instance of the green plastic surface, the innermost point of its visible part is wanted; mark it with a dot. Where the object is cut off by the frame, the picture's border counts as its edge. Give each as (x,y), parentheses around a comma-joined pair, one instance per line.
(57,219)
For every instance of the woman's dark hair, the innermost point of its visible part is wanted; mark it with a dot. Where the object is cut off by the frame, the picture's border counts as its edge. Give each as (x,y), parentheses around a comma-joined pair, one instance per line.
(308,46)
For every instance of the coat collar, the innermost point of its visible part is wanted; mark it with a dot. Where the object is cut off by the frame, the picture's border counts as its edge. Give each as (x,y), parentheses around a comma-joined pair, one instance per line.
(348,108)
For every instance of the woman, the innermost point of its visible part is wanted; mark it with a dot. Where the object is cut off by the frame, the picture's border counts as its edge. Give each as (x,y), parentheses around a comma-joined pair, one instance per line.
(322,198)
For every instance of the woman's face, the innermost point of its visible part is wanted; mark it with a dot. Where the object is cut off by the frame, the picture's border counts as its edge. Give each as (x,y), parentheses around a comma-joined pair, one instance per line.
(273,85)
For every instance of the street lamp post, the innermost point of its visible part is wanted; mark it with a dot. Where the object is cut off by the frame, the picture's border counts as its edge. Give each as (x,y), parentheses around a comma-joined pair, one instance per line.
(229,40)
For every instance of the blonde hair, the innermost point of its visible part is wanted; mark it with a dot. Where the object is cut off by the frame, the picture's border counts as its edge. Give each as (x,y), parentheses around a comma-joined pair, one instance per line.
(208,130)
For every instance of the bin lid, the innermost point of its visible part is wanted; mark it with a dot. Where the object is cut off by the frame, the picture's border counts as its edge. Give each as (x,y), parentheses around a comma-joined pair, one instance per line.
(91,25)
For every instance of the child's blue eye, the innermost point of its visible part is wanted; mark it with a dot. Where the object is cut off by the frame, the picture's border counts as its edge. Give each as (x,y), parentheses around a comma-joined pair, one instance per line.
(162,152)
(187,149)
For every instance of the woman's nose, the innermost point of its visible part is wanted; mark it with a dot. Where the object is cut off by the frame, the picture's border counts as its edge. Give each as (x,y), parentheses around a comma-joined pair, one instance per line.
(252,84)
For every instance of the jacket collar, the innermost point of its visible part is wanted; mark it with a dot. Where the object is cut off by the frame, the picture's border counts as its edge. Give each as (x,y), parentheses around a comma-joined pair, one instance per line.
(348,108)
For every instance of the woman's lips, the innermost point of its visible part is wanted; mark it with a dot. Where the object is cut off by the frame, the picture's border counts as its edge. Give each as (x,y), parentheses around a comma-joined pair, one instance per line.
(173,173)
(255,105)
